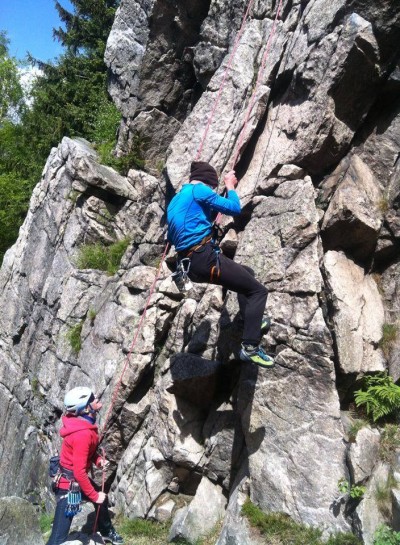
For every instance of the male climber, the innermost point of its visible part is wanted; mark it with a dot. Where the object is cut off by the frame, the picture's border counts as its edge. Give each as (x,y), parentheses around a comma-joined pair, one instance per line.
(190,225)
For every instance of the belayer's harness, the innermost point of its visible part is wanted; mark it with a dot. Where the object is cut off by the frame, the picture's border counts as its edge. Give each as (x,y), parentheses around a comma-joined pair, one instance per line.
(74,495)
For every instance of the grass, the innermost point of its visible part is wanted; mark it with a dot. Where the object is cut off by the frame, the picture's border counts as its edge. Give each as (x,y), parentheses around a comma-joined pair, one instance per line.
(142,532)
(100,257)
(45,522)
(74,337)
(390,442)
(389,335)
(355,427)
(384,205)
(383,496)
(146,532)
(280,529)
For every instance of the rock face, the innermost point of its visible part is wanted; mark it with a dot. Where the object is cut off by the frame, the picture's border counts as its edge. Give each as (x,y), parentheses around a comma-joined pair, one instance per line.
(307,106)
(19,522)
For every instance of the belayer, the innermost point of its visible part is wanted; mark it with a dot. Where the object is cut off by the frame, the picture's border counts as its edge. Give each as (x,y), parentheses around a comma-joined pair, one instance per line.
(190,217)
(78,452)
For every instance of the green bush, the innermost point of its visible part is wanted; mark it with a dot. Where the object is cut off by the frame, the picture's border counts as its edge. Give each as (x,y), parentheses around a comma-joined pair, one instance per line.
(384,535)
(380,396)
(355,491)
(100,257)
(282,530)
(133,159)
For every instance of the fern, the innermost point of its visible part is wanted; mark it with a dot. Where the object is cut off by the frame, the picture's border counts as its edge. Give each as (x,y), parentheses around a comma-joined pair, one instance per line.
(381,396)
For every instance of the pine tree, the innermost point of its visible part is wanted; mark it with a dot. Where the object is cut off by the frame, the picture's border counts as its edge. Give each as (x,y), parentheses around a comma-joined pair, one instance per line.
(69,99)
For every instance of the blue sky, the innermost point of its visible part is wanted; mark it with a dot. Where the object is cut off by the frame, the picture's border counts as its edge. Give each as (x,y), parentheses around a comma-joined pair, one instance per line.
(29,25)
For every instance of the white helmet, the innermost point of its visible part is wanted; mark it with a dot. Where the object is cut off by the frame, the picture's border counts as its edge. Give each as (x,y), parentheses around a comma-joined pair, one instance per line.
(77,399)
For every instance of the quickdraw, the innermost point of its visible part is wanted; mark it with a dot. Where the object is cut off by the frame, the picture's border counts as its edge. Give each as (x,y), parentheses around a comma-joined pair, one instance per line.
(181,275)
(74,500)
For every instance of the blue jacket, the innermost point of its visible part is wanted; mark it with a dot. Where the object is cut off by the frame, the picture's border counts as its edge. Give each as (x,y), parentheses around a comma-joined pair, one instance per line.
(190,213)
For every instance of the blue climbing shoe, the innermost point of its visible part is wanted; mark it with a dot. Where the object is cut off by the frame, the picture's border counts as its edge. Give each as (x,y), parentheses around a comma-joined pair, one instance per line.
(256,355)
(265,325)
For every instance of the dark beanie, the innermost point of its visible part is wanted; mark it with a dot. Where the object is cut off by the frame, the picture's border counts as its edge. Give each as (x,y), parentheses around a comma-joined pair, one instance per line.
(203,172)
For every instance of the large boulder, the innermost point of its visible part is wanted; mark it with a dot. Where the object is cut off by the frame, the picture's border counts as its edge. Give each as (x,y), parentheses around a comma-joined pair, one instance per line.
(353,219)
(19,522)
(199,518)
(358,315)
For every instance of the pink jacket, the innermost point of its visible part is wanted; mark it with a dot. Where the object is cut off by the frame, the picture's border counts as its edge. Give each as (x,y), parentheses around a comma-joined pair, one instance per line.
(78,452)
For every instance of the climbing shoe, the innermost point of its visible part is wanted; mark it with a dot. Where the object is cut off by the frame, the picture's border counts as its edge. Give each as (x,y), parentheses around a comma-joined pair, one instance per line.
(265,325)
(257,355)
(113,537)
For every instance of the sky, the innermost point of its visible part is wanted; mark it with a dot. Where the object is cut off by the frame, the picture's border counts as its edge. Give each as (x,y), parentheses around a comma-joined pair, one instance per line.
(29,25)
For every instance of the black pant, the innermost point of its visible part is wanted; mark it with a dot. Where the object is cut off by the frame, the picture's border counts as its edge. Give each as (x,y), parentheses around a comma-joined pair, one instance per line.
(252,295)
(62,523)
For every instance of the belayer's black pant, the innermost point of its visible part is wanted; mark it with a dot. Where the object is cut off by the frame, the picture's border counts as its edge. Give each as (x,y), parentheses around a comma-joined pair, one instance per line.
(252,295)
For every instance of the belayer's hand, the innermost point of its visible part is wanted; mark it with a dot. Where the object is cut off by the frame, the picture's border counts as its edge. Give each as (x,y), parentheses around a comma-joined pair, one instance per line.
(230,180)
(101,498)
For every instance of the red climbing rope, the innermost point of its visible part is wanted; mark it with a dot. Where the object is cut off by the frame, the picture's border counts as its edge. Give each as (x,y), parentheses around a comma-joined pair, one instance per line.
(222,85)
(209,122)
(254,93)
(103,481)
(128,357)
(259,79)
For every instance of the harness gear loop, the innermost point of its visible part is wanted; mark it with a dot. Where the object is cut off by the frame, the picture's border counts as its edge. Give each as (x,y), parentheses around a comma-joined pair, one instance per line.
(215,272)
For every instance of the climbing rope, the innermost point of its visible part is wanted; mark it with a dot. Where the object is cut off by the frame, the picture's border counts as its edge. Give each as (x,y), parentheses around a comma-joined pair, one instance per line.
(103,481)
(128,357)
(222,84)
(199,151)
(254,93)
(209,122)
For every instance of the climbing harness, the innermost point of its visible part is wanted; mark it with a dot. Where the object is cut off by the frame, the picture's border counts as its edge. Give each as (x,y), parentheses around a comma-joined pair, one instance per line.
(216,268)
(74,500)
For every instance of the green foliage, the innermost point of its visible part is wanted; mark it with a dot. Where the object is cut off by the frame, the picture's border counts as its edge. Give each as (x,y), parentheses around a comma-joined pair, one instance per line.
(14,200)
(74,337)
(122,164)
(390,442)
(389,335)
(45,522)
(380,396)
(355,427)
(355,491)
(343,539)
(282,530)
(69,98)
(140,527)
(103,258)
(11,93)
(384,535)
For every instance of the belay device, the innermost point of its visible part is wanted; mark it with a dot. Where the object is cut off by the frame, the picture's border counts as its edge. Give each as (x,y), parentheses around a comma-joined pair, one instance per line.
(74,500)
(180,276)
